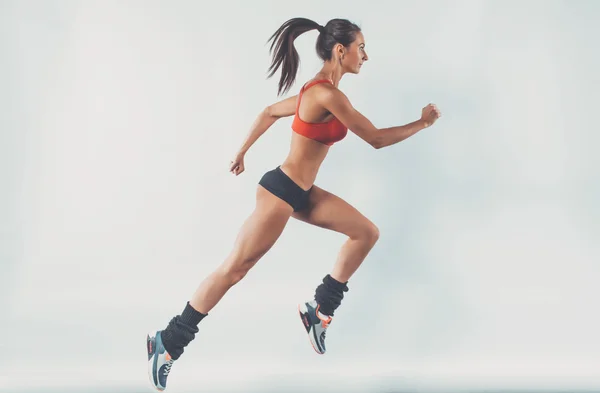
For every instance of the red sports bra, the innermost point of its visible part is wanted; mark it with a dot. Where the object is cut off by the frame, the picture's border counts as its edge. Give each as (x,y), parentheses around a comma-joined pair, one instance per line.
(328,132)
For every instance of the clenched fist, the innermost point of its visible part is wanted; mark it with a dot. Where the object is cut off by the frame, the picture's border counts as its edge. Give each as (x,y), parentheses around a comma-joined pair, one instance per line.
(236,165)
(430,114)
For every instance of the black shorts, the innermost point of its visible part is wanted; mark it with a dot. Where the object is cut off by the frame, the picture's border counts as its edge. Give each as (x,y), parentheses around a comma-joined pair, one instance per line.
(280,185)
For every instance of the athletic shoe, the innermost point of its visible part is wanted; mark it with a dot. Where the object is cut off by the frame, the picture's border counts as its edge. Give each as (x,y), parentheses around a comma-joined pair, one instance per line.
(315,323)
(159,361)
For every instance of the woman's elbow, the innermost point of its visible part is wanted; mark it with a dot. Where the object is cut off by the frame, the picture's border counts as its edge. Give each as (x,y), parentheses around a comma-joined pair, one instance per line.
(376,141)
(268,111)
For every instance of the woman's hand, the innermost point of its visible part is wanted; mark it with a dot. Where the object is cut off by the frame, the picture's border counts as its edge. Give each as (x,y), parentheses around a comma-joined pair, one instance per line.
(430,114)
(236,166)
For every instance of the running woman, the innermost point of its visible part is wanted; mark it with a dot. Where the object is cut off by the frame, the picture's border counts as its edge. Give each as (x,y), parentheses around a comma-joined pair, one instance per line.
(322,117)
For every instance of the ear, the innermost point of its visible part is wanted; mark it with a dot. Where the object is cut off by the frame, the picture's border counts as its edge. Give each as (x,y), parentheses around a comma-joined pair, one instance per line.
(339,50)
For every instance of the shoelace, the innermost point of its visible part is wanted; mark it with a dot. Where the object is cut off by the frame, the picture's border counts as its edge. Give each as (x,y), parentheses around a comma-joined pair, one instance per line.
(168,367)
(325,325)
(322,338)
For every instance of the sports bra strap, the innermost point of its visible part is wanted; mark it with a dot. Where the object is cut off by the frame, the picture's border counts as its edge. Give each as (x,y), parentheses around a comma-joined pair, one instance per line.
(308,86)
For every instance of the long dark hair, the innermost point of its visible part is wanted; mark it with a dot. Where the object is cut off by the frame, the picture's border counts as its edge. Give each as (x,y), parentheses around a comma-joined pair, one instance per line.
(285,54)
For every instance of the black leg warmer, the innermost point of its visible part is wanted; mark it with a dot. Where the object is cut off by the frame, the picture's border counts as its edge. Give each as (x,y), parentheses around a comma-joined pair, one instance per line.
(181,331)
(329,295)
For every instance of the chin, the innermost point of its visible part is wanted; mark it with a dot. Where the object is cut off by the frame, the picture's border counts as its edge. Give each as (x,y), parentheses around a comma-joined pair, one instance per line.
(354,70)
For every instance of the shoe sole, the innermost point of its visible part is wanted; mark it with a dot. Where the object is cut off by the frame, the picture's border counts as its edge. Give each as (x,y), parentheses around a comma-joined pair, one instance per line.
(310,333)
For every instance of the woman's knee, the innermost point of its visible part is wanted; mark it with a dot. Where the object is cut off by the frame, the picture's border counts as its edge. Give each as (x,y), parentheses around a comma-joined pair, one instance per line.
(234,273)
(366,232)
(369,233)
(239,263)
(236,268)
(373,233)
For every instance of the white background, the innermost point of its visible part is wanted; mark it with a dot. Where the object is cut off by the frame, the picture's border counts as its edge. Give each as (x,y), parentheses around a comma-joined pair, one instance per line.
(117,123)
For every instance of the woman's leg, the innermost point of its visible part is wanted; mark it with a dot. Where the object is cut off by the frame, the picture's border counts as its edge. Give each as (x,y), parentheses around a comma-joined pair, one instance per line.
(256,236)
(329,211)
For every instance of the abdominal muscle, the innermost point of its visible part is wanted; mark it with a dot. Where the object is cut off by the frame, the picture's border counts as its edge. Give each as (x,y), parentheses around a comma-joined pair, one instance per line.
(304,160)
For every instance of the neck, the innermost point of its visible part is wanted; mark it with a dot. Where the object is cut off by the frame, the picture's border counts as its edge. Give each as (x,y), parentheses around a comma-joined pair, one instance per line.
(333,72)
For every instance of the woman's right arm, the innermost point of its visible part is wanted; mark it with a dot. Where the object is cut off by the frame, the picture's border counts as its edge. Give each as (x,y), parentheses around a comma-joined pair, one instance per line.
(338,104)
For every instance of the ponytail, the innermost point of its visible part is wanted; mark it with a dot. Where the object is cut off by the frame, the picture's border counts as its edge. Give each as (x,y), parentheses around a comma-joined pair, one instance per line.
(285,54)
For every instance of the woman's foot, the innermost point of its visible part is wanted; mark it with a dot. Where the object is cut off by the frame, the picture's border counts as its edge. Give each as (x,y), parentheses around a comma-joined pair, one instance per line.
(159,360)
(315,323)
